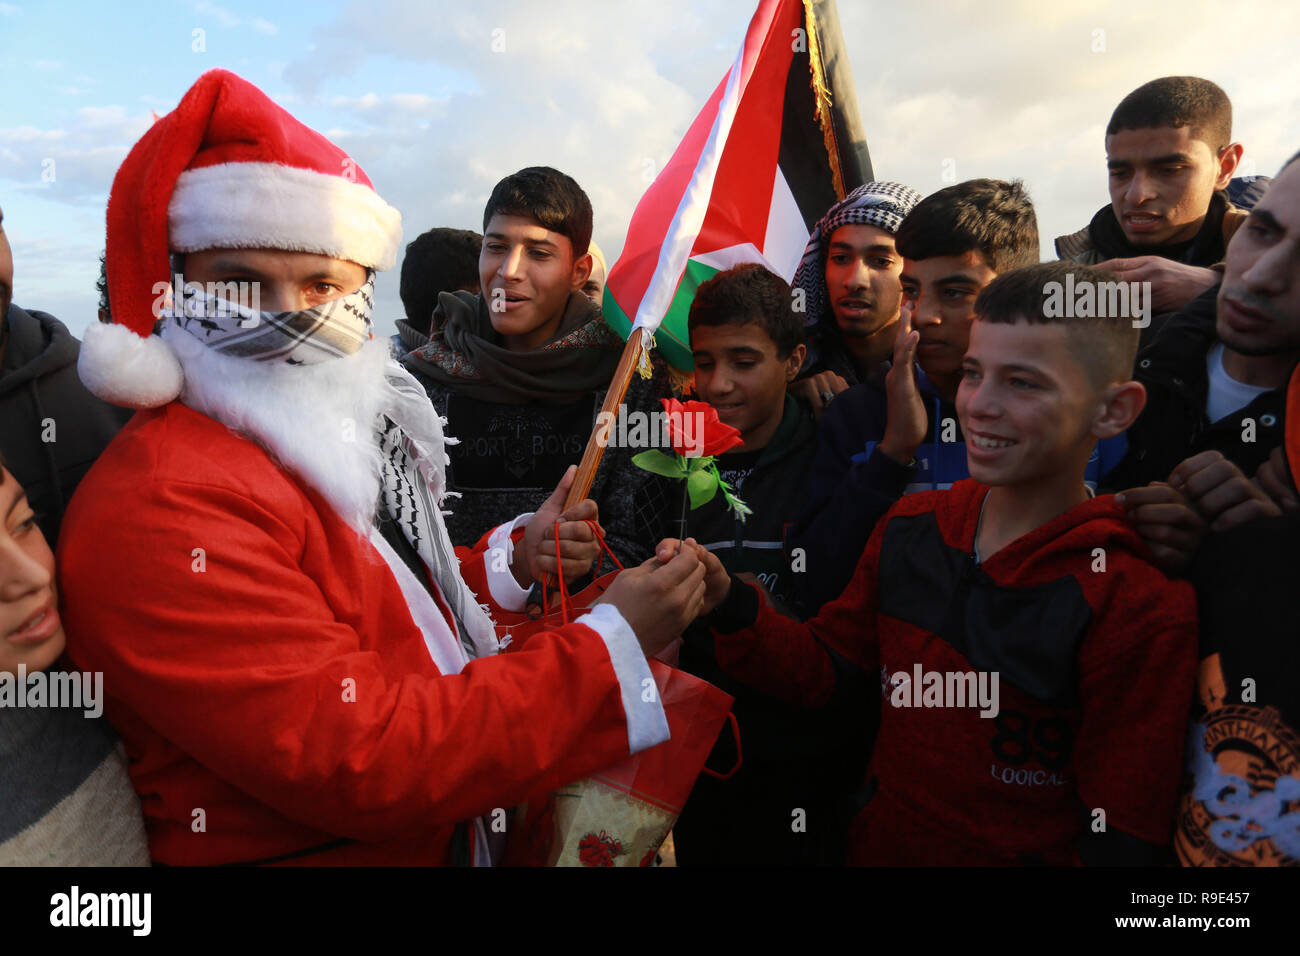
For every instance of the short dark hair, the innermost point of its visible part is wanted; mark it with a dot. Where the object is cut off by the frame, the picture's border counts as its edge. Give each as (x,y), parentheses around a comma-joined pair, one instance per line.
(101,286)
(1105,345)
(749,293)
(548,196)
(1288,163)
(440,260)
(989,216)
(1177,101)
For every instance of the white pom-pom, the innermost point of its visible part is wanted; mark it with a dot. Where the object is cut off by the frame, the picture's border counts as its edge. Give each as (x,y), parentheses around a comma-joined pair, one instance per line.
(127,369)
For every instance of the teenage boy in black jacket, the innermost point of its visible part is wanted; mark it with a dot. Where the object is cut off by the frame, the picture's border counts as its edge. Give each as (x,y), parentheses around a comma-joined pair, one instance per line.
(747,343)
(520,370)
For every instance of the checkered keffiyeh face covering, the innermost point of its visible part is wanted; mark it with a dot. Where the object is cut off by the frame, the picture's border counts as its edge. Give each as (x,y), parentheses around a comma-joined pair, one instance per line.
(411,439)
(330,330)
(883,205)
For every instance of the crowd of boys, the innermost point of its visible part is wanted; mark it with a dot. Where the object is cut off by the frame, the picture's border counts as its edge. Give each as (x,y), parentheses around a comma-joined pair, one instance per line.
(1013,589)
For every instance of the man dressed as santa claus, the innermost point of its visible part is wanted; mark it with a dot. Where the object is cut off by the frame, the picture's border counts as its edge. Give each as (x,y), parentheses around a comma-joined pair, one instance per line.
(258,563)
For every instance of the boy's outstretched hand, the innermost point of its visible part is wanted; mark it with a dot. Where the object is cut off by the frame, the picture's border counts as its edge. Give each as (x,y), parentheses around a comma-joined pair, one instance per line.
(907,422)
(578,545)
(658,600)
(716,579)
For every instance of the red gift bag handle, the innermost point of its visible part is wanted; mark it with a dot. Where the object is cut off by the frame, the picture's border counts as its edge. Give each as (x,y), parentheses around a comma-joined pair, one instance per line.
(600,560)
(735,733)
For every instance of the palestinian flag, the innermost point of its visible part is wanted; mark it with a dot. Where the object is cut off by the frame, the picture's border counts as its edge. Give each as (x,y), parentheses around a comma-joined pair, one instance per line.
(775,146)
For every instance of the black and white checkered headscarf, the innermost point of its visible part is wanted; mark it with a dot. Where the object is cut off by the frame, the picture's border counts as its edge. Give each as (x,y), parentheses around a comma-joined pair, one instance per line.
(883,205)
(330,330)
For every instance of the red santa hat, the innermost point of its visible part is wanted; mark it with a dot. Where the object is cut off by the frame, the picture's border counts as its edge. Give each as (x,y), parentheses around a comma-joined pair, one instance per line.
(226,169)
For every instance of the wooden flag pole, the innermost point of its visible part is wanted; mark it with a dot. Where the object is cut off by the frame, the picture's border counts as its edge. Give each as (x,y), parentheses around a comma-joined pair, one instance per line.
(595,450)
(600,433)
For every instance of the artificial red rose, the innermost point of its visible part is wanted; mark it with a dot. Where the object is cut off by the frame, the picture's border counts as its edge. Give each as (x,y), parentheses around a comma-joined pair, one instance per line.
(696,431)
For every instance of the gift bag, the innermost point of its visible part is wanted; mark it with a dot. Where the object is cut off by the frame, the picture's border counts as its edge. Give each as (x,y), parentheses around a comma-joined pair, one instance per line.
(620,816)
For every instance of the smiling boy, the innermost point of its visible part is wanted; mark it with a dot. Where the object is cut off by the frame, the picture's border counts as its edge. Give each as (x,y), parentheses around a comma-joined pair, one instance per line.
(747,343)
(1016,574)
(520,370)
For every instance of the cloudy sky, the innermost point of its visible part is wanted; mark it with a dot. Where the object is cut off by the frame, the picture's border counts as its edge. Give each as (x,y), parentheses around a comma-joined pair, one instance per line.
(438,100)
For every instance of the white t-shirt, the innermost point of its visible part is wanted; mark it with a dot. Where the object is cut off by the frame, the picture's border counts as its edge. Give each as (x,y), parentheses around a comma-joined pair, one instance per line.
(1226,393)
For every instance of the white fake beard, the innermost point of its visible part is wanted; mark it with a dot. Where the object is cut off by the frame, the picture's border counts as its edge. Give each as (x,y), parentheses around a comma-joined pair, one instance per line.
(317,421)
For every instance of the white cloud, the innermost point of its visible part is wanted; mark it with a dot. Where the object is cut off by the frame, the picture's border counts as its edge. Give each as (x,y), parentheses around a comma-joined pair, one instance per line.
(73,165)
(230,20)
(1012,90)
(220,14)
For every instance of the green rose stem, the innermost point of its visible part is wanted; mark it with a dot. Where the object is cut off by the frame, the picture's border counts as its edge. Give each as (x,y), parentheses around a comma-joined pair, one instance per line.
(681,522)
(700,482)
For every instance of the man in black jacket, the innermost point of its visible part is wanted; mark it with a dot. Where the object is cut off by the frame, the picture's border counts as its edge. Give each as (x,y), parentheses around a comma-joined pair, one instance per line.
(1216,375)
(1170,157)
(51,428)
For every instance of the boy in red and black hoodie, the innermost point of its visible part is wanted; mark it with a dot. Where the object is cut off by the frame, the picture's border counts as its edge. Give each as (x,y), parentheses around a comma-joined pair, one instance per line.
(1017,582)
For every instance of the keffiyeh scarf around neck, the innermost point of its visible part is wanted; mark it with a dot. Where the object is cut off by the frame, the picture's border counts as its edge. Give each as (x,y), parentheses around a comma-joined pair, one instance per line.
(413,486)
(466,355)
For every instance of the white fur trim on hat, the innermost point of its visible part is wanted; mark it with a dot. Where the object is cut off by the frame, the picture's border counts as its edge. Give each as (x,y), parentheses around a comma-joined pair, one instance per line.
(273,206)
(127,369)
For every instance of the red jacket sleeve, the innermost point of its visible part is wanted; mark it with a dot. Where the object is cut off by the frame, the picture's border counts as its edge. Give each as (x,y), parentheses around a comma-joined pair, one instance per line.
(246,665)
(790,659)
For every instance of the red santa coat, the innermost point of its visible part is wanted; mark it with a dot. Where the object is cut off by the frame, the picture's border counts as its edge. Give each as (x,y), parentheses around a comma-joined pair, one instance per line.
(274,692)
